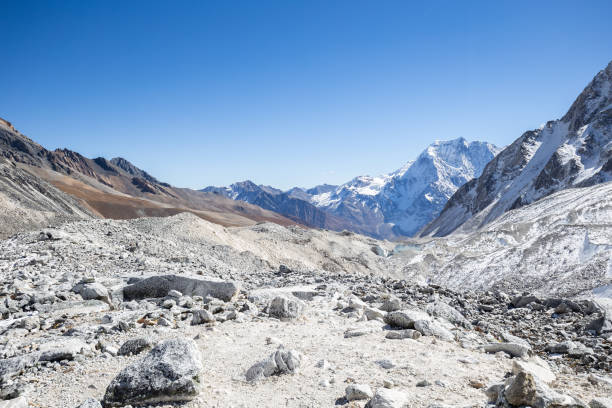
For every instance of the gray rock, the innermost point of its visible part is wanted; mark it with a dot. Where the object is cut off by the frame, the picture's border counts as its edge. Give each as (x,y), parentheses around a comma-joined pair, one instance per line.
(90,403)
(284,308)
(75,308)
(387,398)
(386,364)
(14,366)
(168,303)
(280,362)
(134,346)
(447,312)
(168,373)
(521,390)
(391,304)
(356,392)
(360,332)
(514,349)
(601,325)
(92,291)
(403,334)
(405,318)
(432,328)
(160,286)
(522,301)
(201,317)
(62,350)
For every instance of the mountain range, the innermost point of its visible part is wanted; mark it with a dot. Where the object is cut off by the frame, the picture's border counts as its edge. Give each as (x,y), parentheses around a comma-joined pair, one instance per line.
(452,186)
(40,185)
(393,205)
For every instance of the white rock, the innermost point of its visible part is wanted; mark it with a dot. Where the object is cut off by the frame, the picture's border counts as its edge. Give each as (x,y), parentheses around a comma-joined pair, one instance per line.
(387,398)
(358,392)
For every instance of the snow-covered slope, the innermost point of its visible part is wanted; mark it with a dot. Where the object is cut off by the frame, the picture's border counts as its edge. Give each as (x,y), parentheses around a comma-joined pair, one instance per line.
(402,202)
(571,152)
(558,245)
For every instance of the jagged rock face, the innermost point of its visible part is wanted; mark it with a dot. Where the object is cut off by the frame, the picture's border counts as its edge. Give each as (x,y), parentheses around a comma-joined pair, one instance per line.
(393,205)
(29,202)
(575,151)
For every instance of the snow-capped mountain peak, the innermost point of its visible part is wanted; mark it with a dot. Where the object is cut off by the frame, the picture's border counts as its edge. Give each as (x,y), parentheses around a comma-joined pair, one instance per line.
(402,201)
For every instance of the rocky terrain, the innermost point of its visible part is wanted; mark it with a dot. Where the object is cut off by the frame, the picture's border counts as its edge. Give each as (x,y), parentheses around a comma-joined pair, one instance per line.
(28,202)
(574,151)
(390,206)
(178,311)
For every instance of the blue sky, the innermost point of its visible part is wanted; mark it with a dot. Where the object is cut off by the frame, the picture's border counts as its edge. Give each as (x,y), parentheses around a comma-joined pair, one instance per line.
(290,92)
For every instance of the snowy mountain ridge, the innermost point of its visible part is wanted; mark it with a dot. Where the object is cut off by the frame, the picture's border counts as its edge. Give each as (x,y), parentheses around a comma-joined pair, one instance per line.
(388,206)
(574,151)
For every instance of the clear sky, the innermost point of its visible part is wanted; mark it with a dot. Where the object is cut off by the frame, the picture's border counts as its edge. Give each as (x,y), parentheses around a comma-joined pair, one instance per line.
(290,92)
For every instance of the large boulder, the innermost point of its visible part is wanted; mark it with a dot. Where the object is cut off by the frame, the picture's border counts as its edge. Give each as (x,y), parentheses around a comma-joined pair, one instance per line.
(160,286)
(168,373)
(285,308)
(280,362)
(405,319)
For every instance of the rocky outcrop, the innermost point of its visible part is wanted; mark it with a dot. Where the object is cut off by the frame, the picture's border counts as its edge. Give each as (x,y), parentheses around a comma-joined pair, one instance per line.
(169,373)
(160,286)
(574,151)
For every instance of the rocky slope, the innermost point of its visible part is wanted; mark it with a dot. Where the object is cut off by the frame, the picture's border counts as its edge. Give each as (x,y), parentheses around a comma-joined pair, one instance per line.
(573,151)
(182,312)
(390,206)
(111,189)
(559,245)
(28,202)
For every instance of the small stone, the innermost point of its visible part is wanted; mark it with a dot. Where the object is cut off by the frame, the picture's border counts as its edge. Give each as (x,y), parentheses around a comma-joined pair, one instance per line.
(423,383)
(356,392)
(174,294)
(403,334)
(201,317)
(514,349)
(168,304)
(386,364)
(134,346)
(280,362)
